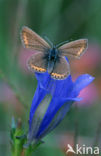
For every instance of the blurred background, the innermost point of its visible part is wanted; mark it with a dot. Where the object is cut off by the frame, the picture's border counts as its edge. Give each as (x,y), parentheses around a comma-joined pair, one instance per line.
(60,20)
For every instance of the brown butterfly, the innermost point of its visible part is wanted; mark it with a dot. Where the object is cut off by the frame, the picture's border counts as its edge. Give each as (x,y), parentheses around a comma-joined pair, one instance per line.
(49,57)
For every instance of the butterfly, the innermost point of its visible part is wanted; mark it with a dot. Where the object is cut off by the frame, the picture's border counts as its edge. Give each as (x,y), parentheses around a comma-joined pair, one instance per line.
(49,57)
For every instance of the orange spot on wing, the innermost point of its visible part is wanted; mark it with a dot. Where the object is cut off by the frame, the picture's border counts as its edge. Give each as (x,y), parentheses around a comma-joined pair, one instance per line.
(60,76)
(38,68)
(80,51)
(25,39)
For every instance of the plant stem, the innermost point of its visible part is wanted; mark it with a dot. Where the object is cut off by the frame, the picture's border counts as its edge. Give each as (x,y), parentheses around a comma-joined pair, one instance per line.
(97,136)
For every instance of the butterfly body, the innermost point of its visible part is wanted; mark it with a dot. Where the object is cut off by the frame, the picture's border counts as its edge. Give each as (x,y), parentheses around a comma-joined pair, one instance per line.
(51,58)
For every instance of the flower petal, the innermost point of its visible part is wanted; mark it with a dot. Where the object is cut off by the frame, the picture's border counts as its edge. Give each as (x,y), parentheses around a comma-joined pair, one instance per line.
(55,120)
(37,117)
(56,108)
(81,82)
(38,96)
(57,88)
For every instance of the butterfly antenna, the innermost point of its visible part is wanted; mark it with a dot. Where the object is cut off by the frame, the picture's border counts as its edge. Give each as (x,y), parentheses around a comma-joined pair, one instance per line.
(60,44)
(48,40)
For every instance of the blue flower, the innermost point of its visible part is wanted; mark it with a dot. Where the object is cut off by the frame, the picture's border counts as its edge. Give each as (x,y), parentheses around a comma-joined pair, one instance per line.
(51,102)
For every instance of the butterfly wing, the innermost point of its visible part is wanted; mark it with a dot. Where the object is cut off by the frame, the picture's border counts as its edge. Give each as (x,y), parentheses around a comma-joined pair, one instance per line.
(33,41)
(74,49)
(36,63)
(61,69)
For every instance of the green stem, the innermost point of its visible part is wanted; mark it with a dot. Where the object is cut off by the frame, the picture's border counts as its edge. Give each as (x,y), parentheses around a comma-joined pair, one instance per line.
(32,148)
(27,152)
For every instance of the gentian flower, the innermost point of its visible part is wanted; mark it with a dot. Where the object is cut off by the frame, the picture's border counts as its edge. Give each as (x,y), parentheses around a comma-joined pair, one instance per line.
(51,102)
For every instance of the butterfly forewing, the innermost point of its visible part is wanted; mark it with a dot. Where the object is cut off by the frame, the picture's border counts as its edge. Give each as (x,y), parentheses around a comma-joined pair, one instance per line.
(33,41)
(61,69)
(74,49)
(36,63)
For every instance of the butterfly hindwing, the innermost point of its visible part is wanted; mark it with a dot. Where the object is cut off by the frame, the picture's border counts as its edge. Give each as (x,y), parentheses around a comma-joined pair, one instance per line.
(36,63)
(74,49)
(33,41)
(61,69)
